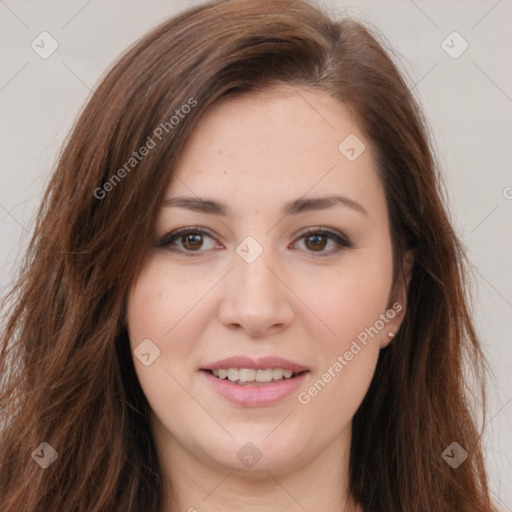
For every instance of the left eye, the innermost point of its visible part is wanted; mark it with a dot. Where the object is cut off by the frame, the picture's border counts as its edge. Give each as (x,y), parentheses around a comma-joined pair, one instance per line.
(192,241)
(317,239)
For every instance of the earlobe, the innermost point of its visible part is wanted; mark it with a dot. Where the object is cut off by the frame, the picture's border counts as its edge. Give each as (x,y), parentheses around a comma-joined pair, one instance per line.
(396,314)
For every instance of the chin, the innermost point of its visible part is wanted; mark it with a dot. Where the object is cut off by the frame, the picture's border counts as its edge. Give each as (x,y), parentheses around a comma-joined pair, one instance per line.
(257,452)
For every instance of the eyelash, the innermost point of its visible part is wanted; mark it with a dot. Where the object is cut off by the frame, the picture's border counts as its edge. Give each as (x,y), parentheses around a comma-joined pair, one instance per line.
(342,241)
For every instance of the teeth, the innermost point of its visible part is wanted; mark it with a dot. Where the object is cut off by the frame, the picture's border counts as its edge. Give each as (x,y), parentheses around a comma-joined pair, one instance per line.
(233,374)
(244,375)
(264,375)
(278,373)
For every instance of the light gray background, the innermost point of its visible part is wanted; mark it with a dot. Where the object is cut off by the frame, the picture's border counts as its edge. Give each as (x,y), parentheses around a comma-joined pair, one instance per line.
(468,104)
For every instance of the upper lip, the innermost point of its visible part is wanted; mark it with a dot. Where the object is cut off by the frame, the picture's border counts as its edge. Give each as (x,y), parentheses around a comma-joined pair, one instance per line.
(261,363)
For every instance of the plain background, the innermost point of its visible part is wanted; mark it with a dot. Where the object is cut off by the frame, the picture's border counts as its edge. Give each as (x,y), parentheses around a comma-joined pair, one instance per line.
(467,103)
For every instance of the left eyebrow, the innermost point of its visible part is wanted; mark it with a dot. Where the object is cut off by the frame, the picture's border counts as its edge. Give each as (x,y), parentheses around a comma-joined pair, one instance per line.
(302,205)
(295,207)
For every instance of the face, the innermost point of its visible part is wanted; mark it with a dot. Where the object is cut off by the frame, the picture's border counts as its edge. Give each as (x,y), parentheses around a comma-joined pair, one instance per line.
(269,276)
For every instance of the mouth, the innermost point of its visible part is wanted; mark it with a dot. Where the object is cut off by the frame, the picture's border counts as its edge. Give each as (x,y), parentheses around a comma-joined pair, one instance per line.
(258,382)
(254,377)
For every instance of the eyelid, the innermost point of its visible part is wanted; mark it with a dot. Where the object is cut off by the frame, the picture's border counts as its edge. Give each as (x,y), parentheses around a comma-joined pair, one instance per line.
(341,240)
(167,238)
(323,230)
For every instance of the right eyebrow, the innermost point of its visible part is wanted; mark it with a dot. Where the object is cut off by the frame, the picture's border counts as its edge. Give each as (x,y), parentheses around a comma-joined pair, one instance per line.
(201,205)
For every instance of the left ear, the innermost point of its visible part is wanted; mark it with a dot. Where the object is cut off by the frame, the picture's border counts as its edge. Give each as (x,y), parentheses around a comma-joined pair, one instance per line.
(397,303)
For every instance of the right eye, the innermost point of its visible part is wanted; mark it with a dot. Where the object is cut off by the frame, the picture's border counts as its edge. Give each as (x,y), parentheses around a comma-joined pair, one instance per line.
(188,241)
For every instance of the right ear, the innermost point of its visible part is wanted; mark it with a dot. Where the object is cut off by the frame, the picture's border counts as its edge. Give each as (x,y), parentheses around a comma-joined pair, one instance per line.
(398,297)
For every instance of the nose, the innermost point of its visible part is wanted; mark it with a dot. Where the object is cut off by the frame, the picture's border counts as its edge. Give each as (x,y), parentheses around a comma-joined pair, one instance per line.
(256,298)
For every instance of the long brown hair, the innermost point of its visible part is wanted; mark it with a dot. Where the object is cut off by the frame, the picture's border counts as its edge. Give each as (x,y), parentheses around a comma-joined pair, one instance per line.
(67,373)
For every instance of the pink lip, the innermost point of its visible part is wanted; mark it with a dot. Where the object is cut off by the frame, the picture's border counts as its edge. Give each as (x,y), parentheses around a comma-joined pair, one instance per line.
(262,363)
(257,395)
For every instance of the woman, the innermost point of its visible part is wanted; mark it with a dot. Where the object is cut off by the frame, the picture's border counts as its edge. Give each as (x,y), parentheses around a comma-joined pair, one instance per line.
(243,291)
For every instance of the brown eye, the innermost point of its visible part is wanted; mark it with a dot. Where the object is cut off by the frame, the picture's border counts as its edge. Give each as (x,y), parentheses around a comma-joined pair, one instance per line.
(192,242)
(323,242)
(316,242)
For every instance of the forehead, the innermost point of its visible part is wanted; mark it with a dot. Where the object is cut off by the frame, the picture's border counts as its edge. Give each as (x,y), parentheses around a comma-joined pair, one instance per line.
(272,145)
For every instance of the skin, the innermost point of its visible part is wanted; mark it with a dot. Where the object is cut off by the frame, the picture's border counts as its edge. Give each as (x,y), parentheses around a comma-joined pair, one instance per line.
(255,152)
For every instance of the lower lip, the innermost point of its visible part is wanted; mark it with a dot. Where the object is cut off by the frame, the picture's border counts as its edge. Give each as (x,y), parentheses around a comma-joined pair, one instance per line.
(257,395)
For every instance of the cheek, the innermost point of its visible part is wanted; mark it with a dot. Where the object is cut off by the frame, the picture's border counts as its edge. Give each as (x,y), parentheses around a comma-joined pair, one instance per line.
(169,307)
(352,305)
(157,310)
(352,298)
(336,393)
(160,302)
(347,360)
